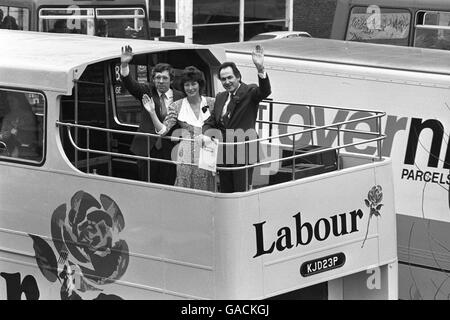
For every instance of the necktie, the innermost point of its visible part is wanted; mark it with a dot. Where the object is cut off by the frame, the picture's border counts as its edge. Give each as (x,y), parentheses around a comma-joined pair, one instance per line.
(227,105)
(162,98)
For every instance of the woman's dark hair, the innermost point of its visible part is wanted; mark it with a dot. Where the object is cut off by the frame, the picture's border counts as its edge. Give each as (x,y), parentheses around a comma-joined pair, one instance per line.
(232,65)
(191,73)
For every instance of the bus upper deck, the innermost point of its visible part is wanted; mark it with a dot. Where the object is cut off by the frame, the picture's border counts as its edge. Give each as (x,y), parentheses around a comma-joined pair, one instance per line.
(117,19)
(94,226)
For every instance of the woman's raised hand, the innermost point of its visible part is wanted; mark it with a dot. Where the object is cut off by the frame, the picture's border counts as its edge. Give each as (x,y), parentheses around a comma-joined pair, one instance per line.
(148,103)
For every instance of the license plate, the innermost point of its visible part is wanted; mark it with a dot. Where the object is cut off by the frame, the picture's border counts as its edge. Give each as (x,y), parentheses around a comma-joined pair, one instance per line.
(323,264)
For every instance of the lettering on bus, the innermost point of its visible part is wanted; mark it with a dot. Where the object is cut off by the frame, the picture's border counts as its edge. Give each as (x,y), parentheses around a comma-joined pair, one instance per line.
(16,286)
(438,160)
(322,229)
(304,232)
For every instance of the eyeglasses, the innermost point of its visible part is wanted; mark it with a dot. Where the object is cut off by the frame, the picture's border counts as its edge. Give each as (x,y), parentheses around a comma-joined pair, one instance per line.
(161,78)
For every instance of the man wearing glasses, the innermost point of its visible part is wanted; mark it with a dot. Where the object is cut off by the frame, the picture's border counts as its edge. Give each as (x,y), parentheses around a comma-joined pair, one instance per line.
(162,94)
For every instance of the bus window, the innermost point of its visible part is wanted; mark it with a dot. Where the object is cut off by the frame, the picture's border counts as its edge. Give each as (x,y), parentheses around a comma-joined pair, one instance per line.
(121,23)
(22,121)
(128,109)
(432,30)
(88,105)
(379,25)
(67,20)
(105,22)
(14,18)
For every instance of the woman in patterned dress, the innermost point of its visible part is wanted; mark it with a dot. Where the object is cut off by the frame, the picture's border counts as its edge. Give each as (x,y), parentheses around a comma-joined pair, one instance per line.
(189,113)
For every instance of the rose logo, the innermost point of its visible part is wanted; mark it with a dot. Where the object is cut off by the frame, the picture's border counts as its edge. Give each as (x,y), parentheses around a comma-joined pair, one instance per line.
(87,244)
(373,202)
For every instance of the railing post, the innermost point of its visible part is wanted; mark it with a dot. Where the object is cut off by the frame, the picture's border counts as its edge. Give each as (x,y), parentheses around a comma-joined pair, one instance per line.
(311,123)
(76,120)
(87,153)
(293,159)
(148,160)
(379,135)
(338,150)
(270,120)
(246,164)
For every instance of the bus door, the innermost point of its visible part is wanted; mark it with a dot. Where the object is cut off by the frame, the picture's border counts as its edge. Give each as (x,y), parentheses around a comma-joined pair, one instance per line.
(113,22)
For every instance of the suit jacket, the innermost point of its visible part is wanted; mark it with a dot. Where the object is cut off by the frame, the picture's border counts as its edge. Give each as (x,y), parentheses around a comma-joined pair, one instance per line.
(139,144)
(241,114)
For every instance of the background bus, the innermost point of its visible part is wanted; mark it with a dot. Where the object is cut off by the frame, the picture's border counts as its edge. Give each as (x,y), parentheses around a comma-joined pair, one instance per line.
(412,86)
(418,23)
(116,19)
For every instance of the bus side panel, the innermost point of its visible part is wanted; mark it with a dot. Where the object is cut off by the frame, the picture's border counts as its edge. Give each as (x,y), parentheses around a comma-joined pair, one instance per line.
(161,244)
(276,242)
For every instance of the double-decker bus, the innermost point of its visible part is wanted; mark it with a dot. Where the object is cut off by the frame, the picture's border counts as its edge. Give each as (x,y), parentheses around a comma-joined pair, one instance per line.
(418,23)
(115,18)
(76,223)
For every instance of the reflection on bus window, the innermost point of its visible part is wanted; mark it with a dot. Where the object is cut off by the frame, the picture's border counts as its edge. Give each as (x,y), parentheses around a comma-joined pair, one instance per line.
(128,109)
(124,22)
(67,20)
(432,30)
(383,25)
(14,18)
(111,22)
(21,129)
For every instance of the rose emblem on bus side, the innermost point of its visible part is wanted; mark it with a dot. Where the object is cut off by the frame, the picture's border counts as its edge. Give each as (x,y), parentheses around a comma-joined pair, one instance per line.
(89,251)
(373,202)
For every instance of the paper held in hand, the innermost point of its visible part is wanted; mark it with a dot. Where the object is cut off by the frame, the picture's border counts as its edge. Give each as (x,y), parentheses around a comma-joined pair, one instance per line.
(208,155)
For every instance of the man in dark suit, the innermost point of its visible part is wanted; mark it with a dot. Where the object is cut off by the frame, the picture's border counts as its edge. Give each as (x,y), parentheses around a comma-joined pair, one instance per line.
(163,95)
(235,113)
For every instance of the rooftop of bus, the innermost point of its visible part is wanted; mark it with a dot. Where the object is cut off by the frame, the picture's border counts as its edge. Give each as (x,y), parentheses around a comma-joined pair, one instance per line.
(352,53)
(51,57)
(423,4)
(79,3)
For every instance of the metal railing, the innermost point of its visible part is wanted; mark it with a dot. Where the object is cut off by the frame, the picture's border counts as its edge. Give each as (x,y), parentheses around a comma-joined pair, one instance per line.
(339,127)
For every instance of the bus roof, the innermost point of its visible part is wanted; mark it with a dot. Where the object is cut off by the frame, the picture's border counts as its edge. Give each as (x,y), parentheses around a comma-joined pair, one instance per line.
(421,4)
(51,61)
(62,3)
(352,53)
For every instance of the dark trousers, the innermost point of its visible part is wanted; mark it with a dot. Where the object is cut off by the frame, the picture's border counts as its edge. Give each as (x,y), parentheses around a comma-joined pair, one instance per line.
(234,180)
(164,173)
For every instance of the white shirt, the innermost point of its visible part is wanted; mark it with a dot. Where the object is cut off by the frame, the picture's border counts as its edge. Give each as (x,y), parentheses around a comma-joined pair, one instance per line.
(230,94)
(169,97)
(186,114)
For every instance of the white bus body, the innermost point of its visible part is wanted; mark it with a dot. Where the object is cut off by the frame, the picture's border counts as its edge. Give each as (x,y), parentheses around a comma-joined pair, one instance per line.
(123,238)
(413,87)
